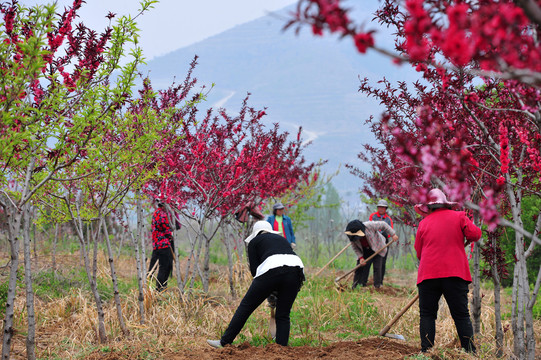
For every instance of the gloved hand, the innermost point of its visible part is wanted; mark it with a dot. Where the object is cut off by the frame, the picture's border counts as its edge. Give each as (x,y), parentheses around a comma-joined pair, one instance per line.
(293,246)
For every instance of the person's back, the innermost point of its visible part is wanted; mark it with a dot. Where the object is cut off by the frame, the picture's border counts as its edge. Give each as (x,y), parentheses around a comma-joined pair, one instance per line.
(443,267)
(266,245)
(162,245)
(440,245)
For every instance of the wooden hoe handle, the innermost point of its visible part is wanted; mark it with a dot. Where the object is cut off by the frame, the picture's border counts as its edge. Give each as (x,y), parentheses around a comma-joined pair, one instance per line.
(334,258)
(397,316)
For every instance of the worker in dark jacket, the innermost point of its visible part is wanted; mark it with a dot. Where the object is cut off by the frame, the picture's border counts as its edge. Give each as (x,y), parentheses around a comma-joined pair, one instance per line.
(275,268)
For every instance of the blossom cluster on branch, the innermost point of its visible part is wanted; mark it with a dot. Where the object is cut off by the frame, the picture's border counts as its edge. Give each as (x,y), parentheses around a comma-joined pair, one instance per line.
(472,124)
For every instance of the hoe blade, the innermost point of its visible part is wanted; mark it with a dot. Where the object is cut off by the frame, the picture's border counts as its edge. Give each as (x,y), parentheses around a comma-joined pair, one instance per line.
(395,336)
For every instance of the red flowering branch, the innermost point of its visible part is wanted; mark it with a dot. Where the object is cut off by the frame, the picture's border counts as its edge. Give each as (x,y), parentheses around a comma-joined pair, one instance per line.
(219,163)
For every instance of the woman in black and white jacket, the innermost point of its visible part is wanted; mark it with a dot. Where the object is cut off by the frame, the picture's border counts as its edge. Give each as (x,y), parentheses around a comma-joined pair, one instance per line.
(275,268)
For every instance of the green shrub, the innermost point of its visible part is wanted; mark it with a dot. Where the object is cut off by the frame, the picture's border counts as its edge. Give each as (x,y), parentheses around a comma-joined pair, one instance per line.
(49,285)
(3,296)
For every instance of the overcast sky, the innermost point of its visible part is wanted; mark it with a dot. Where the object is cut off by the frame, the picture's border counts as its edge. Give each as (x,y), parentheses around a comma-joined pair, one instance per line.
(173,24)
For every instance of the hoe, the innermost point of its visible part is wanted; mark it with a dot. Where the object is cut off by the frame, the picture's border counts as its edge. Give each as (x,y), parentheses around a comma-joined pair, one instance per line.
(387,327)
(341,287)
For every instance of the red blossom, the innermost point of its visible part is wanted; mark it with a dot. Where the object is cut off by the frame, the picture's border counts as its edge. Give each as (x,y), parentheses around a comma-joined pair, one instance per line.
(363,41)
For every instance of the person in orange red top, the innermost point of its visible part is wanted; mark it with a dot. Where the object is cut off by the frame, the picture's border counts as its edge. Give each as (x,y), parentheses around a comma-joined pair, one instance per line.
(443,266)
(381,215)
(282,223)
(162,245)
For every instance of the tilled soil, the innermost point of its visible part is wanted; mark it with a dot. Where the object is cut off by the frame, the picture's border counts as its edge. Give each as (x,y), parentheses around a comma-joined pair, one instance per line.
(365,349)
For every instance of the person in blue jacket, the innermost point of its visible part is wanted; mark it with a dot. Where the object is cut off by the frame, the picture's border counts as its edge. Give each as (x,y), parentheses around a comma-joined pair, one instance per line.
(282,223)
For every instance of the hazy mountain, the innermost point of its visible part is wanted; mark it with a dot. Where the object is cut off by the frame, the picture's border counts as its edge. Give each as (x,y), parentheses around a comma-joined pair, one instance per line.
(302,81)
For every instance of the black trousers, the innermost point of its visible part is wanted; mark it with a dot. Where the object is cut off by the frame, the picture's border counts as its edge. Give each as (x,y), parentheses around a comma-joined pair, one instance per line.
(384,260)
(361,274)
(455,291)
(164,257)
(286,281)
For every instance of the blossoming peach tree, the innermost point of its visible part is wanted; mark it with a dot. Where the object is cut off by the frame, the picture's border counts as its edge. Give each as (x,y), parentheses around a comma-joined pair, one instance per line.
(220,163)
(471,126)
(57,95)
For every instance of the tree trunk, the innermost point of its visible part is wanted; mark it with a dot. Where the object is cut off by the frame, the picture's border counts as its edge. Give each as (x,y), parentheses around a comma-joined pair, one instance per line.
(228,249)
(497,304)
(519,336)
(520,281)
(476,298)
(114,278)
(31,336)
(138,263)
(528,318)
(514,306)
(34,237)
(53,254)
(199,244)
(14,217)
(93,240)
(102,336)
(191,257)
(530,335)
(206,266)
(176,254)
(140,236)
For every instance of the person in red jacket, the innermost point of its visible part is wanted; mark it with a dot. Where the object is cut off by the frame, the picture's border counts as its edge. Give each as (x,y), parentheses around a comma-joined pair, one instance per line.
(443,266)
(162,245)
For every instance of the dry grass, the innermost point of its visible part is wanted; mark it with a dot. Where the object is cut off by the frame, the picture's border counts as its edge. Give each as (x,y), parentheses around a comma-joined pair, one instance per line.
(67,327)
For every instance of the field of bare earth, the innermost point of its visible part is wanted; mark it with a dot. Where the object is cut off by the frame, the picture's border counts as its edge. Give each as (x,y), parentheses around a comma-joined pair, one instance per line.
(327,322)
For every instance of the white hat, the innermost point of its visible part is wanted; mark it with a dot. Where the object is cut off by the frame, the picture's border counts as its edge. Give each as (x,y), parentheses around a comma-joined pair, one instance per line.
(259,226)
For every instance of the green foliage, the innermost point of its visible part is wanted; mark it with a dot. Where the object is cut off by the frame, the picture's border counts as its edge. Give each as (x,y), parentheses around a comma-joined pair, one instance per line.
(537,309)
(3,296)
(530,209)
(405,262)
(48,285)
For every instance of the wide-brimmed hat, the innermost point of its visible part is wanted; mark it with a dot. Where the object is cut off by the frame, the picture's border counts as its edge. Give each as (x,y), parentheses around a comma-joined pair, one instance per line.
(382,203)
(278,206)
(435,196)
(259,226)
(355,228)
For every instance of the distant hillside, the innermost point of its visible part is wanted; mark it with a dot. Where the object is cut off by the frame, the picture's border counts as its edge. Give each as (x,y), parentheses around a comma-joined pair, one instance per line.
(301,80)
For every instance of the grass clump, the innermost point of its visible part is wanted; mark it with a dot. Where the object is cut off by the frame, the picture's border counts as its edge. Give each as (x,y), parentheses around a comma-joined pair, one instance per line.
(3,296)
